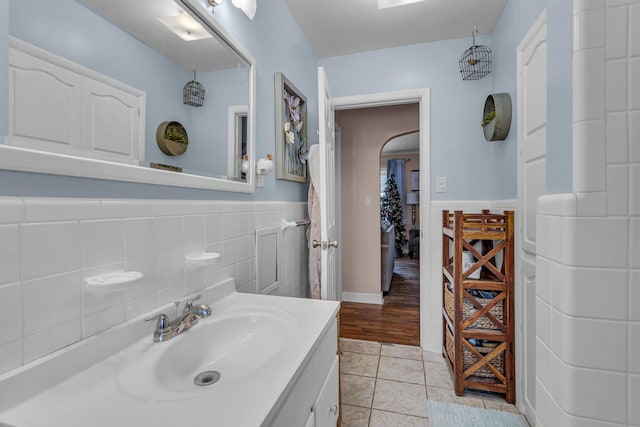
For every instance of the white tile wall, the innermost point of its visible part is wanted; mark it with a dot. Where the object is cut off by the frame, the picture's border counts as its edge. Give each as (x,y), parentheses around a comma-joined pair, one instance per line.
(617,190)
(588,103)
(10,313)
(634,296)
(49,246)
(617,140)
(587,375)
(616,32)
(634,135)
(634,397)
(101,242)
(588,152)
(9,254)
(634,182)
(617,87)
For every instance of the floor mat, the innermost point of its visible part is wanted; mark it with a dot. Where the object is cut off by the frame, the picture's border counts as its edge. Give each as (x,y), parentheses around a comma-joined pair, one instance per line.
(443,414)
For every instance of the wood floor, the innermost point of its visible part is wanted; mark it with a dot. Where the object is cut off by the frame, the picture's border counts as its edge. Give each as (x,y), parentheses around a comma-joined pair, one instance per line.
(396,321)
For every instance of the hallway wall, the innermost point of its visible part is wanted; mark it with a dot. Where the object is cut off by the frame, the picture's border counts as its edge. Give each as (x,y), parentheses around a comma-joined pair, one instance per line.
(364,132)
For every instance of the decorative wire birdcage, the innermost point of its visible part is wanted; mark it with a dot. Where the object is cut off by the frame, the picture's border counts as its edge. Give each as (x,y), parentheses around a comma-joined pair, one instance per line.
(475,62)
(193,92)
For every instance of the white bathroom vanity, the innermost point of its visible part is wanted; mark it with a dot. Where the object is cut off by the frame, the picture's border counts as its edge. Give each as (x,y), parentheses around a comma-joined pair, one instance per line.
(276,358)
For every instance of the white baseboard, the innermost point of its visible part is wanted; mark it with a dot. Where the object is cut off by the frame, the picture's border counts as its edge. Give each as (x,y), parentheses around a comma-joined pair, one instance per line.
(362,298)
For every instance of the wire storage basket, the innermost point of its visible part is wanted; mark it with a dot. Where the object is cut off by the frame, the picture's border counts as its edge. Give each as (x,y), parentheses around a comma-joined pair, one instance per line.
(475,62)
(193,93)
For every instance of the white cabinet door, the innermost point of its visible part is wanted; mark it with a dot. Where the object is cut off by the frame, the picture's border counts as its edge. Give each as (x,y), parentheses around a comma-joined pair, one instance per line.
(327,404)
(58,106)
(111,123)
(45,105)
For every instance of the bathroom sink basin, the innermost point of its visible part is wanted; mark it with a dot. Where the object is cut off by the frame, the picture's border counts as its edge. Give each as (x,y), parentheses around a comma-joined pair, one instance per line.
(228,347)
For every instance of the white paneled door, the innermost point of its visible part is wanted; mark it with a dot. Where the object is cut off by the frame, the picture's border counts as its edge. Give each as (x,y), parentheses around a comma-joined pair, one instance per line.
(532,174)
(328,233)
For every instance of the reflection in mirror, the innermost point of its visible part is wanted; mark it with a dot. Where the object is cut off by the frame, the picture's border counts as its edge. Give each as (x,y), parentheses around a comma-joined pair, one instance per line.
(238,157)
(103,95)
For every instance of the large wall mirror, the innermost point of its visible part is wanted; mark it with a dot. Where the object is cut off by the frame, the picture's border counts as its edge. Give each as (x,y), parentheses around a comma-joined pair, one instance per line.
(151,91)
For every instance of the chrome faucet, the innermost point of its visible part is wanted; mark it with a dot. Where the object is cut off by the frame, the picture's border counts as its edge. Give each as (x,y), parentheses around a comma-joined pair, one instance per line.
(167,329)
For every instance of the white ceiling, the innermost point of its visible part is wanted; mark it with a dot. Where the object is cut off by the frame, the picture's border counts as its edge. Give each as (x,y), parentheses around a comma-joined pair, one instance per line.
(338,27)
(334,27)
(140,19)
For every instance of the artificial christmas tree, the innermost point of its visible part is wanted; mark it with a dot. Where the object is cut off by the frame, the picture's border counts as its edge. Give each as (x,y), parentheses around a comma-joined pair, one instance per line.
(391,209)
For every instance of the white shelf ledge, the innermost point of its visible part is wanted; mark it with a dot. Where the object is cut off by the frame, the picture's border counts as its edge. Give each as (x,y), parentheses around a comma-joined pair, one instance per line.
(202,259)
(117,281)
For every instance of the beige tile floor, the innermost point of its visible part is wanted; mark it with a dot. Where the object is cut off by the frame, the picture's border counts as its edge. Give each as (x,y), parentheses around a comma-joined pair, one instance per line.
(389,384)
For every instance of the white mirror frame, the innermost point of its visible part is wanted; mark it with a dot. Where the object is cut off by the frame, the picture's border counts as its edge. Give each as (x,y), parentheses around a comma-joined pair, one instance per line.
(28,160)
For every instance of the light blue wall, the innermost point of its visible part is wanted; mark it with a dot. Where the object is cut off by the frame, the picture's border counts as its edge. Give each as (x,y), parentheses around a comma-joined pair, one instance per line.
(207,153)
(278,45)
(273,38)
(458,149)
(474,168)
(559,97)
(517,18)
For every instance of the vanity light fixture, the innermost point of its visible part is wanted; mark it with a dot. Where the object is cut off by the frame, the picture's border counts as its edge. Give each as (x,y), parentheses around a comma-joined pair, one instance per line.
(247,6)
(185,27)
(214,3)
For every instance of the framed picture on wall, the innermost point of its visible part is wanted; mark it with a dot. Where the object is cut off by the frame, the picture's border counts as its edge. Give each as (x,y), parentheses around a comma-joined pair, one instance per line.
(415,180)
(291,131)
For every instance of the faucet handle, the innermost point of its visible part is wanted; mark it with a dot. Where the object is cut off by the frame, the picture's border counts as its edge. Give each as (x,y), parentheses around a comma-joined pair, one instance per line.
(189,304)
(163,328)
(161,318)
(201,310)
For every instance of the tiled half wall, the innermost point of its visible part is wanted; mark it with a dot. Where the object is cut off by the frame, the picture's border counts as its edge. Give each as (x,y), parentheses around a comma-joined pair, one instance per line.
(49,246)
(588,263)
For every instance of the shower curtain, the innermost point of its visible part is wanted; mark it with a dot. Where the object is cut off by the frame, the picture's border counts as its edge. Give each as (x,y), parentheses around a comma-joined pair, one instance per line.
(313,232)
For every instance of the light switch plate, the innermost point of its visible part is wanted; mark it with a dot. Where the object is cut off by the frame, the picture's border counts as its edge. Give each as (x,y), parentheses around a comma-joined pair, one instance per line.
(441,184)
(367,201)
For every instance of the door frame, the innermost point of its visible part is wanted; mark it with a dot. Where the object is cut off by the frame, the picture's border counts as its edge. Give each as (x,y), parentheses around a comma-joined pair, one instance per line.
(430,331)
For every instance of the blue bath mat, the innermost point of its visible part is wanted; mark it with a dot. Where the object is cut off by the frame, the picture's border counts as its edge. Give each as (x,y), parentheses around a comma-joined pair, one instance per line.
(443,414)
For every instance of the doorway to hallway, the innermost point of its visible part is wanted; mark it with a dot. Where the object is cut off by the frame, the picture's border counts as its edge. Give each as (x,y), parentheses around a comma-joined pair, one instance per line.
(428,332)
(395,321)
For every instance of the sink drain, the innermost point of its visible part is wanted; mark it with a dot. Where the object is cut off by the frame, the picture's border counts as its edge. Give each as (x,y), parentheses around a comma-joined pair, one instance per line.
(206,378)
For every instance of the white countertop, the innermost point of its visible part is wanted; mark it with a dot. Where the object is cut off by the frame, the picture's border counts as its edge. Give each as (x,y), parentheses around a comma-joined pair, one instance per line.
(94,396)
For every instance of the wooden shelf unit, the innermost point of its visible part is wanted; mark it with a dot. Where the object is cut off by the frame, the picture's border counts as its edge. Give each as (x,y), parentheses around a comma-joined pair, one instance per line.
(470,317)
